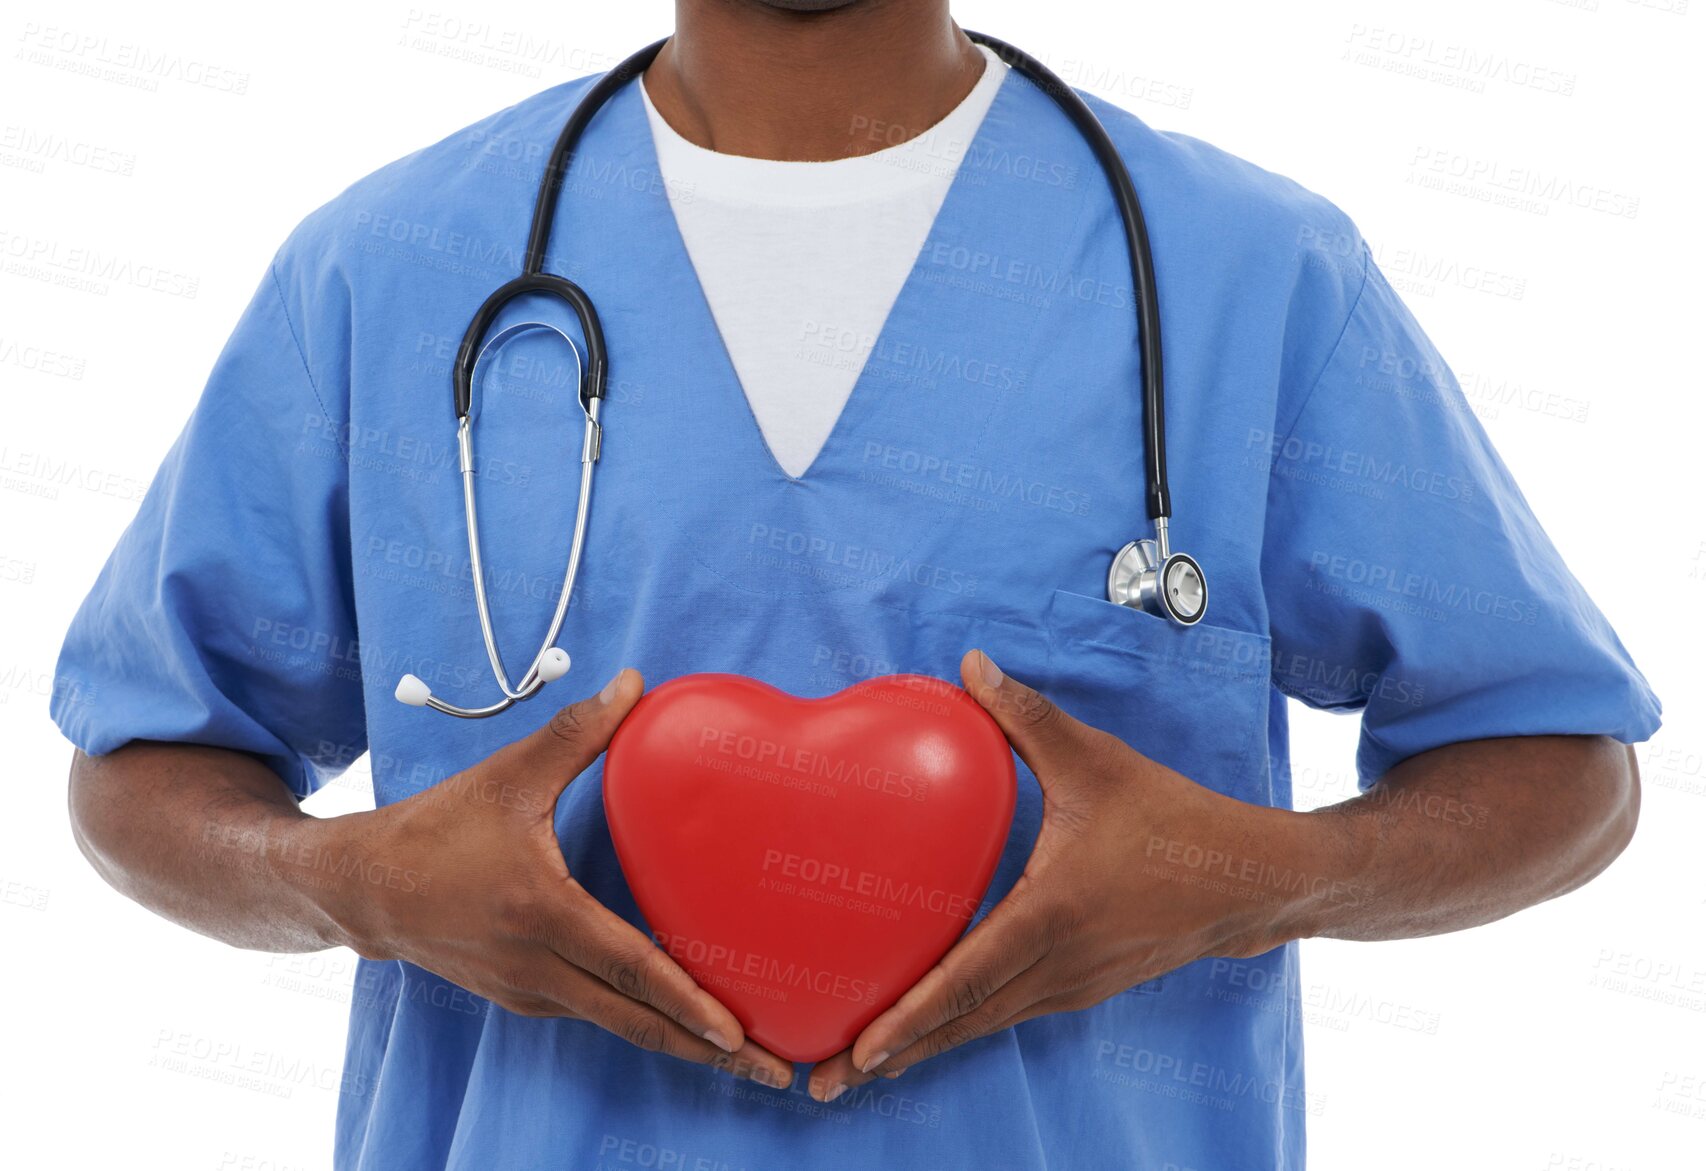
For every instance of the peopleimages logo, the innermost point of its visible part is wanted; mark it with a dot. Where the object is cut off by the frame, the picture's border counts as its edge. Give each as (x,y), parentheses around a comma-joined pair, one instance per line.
(761,750)
(1287,454)
(1023,273)
(1215,1085)
(1000,485)
(861,562)
(1259,875)
(845,879)
(1423,587)
(718,964)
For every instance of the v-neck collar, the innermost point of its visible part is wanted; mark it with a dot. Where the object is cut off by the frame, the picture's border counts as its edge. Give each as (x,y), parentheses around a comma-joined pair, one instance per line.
(857,403)
(995,255)
(959,366)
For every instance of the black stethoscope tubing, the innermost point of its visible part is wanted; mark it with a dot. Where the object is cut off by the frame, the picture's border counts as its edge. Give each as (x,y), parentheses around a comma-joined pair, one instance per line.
(534,278)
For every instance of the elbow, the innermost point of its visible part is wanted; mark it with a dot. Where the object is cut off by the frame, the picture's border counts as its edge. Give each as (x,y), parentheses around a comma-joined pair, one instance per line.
(1626,802)
(83,808)
(95,824)
(1613,773)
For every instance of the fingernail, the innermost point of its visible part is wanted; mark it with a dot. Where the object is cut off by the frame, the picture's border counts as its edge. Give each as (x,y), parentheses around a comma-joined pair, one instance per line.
(874,1060)
(835,1093)
(992,675)
(609,692)
(894,1073)
(712,1035)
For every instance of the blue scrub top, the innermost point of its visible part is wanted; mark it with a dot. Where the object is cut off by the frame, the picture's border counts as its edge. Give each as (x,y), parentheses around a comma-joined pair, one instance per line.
(303,545)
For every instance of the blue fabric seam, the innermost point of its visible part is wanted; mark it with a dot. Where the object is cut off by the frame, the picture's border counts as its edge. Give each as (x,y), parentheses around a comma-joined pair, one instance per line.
(1302,407)
(302,357)
(1327,365)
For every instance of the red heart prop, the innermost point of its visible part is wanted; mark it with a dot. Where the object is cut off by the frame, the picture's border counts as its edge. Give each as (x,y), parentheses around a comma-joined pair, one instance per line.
(807,860)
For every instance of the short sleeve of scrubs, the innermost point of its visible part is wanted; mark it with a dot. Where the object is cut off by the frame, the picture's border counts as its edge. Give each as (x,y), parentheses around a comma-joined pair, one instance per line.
(224,616)
(1406,575)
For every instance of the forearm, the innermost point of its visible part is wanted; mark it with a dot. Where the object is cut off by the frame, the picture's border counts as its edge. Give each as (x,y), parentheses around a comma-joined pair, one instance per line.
(1464,835)
(466,879)
(210,839)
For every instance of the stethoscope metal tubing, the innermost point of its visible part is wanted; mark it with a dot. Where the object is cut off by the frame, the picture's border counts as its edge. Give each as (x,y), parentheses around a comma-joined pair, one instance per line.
(470,713)
(591,442)
(530,683)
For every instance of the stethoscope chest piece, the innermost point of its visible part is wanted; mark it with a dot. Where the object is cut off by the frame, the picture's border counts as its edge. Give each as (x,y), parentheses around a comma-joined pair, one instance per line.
(1168,585)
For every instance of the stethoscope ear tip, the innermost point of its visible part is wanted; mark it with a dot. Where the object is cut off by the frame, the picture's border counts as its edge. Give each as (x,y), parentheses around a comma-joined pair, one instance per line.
(412,690)
(553,664)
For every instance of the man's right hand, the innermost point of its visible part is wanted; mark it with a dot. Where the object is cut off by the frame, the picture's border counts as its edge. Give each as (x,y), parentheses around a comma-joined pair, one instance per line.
(467,879)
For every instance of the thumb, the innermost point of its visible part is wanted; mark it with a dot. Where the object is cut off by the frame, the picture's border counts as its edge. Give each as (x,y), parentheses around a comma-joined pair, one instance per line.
(572,738)
(1038,730)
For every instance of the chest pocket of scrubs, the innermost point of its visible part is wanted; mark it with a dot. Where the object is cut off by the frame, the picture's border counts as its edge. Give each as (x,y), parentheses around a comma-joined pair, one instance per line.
(1192,698)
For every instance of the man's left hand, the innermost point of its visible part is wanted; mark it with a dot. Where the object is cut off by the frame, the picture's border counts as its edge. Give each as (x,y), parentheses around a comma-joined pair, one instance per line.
(1136,871)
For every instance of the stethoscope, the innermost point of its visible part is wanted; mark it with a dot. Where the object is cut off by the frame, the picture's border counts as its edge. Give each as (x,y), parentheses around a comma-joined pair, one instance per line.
(1146,574)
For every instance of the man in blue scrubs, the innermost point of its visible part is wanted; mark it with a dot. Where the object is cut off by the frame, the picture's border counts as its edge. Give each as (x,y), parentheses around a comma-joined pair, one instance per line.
(1130,996)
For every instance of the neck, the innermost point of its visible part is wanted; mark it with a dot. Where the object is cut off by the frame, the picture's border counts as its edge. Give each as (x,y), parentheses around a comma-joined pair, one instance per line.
(745,78)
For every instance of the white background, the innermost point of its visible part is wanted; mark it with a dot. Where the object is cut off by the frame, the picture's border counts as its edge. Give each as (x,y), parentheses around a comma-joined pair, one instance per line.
(1573,1036)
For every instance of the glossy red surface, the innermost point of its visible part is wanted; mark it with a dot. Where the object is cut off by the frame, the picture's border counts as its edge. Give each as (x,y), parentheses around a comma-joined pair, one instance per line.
(806,861)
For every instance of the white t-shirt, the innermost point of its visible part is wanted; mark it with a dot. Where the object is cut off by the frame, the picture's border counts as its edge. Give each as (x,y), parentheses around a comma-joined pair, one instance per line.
(801,262)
